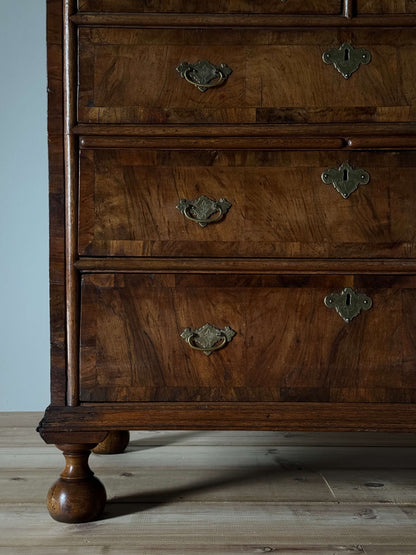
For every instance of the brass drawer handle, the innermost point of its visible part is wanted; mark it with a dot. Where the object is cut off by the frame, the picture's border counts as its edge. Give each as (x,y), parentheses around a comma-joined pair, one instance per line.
(204,210)
(348,303)
(208,338)
(203,74)
(346,59)
(345,179)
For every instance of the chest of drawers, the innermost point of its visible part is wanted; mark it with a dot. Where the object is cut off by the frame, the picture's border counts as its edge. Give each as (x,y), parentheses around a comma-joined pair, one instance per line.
(232,200)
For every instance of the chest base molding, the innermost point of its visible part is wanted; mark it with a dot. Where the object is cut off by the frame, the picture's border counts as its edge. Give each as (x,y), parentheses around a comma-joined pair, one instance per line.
(316,417)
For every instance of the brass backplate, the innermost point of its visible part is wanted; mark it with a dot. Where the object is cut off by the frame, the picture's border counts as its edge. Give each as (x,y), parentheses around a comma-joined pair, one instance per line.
(203,74)
(204,210)
(208,338)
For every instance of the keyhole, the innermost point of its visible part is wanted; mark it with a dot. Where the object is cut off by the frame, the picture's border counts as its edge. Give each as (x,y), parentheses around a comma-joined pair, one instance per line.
(346,54)
(345,175)
(348,300)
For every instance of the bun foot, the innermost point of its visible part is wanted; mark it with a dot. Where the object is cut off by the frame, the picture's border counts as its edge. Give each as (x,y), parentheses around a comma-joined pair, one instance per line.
(78,496)
(115,442)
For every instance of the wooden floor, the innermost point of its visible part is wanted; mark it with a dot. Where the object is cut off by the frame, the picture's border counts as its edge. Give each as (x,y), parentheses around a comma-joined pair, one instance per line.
(218,493)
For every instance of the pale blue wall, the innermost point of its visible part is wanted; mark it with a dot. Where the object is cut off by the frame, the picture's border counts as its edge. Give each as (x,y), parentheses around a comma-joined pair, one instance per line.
(24,332)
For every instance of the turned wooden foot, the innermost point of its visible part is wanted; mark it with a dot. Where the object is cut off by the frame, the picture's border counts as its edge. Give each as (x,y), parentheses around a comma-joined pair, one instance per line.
(115,442)
(78,496)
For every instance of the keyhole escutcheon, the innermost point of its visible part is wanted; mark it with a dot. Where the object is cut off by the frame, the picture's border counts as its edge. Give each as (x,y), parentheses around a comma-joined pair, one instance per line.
(345,179)
(348,303)
(346,59)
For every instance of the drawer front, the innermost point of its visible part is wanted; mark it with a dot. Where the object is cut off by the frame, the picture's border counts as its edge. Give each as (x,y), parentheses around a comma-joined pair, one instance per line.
(288,345)
(278,76)
(291,7)
(386,6)
(280,205)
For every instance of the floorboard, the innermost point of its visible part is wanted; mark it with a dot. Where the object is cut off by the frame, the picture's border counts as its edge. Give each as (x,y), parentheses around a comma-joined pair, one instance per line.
(221,493)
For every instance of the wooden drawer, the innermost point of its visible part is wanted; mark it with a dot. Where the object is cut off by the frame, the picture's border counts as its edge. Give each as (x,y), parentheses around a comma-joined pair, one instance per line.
(289,346)
(280,205)
(386,6)
(278,76)
(290,7)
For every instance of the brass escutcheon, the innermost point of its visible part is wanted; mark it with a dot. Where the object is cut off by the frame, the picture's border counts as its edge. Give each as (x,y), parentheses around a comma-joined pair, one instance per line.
(346,59)
(348,303)
(345,179)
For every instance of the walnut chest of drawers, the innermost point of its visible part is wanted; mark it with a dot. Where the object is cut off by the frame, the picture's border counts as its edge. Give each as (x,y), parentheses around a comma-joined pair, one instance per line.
(232,210)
